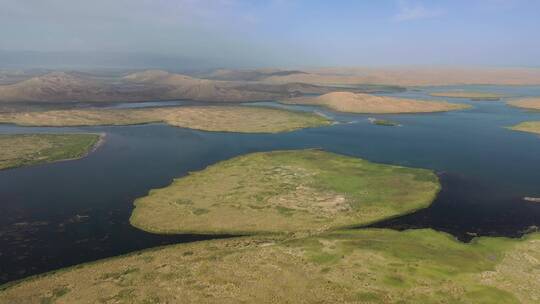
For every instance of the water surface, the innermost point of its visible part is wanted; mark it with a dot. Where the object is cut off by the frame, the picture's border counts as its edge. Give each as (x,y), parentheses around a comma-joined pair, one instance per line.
(60,214)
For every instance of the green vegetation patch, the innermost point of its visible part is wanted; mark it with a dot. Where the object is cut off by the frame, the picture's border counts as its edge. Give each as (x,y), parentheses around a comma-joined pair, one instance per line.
(384,122)
(527,126)
(284,191)
(29,149)
(352,266)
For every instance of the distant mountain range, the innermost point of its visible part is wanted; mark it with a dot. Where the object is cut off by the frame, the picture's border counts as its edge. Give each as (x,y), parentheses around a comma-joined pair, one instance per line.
(238,85)
(157,85)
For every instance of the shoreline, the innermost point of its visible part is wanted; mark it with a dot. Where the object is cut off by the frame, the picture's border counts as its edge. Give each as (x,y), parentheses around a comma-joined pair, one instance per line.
(221,236)
(101,141)
(231,119)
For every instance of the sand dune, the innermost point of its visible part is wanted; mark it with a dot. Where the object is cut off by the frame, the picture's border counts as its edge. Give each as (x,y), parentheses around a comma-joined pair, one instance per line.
(532,103)
(413,76)
(365,103)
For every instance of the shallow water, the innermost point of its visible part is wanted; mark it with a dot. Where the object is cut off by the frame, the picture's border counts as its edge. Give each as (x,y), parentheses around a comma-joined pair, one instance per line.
(61,214)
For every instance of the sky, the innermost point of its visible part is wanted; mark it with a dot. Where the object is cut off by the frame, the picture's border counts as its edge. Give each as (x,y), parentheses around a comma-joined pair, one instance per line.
(279,33)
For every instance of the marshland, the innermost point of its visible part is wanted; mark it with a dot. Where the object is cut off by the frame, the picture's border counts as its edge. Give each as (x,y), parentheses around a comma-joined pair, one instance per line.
(269,152)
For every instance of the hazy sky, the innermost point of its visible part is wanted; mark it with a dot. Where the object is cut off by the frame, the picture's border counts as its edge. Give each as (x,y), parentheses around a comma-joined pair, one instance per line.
(282,32)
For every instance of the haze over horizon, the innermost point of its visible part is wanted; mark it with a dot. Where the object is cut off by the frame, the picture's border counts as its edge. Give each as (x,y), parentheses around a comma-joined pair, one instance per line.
(202,34)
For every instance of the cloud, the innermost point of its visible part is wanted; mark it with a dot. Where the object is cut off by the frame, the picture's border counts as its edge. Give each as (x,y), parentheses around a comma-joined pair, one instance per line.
(416,11)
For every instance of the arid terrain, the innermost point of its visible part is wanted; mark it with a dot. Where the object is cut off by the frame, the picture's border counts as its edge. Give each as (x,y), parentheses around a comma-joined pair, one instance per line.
(532,103)
(59,86)
(365,103)
(238,85)
(413,76)
(208,118)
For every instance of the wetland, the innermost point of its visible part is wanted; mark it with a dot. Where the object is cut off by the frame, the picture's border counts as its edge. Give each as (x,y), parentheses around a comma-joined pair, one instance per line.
(29,149)
(46,226)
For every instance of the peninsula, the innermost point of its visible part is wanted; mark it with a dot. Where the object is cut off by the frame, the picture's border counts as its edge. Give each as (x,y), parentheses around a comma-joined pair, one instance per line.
(209,118)
(350,266)
(527,126)
(20,150)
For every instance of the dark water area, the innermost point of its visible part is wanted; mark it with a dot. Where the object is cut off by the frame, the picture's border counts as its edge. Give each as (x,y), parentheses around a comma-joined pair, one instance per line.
(61,214)
(461,209)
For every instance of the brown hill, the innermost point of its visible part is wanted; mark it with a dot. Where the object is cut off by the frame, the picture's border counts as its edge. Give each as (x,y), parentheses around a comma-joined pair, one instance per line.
(248,75)
(57,86)
(71,87)
(185,87)
(147,85)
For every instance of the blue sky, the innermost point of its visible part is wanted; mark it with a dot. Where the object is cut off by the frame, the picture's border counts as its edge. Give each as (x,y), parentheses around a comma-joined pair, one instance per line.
(283,32)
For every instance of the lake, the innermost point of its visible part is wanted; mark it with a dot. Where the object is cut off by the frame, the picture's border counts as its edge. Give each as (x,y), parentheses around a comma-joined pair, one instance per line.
(65,213)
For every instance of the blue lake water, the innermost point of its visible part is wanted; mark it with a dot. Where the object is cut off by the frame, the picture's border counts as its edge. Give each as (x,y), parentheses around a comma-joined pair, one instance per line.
(61,214)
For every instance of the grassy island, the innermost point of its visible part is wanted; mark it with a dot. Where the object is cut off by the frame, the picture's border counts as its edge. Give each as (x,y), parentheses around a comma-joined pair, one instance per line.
(470,95)
(29,149)
(383,122)
(532,103)
(284,191)
(351,266)
(306,192)
(373,104)
(208,118)
(527,126)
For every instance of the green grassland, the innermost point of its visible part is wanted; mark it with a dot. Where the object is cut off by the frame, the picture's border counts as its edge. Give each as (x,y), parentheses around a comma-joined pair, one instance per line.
(384,122)
(284,191)
(306,193)
(19,150)
(527,126)
(351,266)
